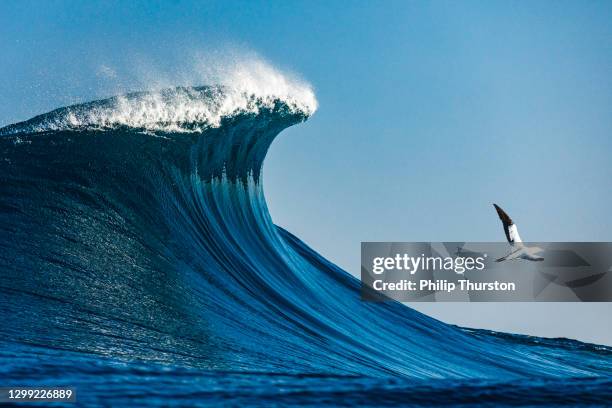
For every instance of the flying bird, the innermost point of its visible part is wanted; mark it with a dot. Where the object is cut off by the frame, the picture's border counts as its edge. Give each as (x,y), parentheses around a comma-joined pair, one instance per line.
(519,250)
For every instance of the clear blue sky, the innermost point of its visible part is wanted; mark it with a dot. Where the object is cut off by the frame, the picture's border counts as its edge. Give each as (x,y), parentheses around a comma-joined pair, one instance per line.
(429,112)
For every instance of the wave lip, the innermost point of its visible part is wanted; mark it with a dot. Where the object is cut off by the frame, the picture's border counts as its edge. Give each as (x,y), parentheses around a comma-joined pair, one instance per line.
(176,110)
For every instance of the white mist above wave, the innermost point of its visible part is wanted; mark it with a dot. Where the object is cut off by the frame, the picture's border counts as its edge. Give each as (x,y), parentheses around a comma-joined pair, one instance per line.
(243,86)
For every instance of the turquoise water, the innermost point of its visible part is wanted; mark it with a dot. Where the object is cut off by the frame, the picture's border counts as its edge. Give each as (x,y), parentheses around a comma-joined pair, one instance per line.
(139,264)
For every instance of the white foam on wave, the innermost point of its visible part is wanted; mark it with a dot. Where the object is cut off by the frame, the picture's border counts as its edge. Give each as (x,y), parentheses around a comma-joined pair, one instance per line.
(244,86)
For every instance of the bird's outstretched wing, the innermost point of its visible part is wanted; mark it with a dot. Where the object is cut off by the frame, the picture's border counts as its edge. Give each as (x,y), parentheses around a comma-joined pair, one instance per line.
(512,255)
(509,227)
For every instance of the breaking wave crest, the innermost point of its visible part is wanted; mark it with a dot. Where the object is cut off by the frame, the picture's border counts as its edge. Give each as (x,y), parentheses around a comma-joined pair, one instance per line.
(183,109)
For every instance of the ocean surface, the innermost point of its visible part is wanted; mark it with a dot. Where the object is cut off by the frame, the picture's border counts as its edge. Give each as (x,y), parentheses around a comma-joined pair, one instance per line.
(139,264)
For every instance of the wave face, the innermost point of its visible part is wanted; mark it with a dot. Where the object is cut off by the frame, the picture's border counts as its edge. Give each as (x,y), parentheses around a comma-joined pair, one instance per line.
(136,250)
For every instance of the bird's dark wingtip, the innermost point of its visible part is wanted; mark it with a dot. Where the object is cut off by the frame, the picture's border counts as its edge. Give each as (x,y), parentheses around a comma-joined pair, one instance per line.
(503,216)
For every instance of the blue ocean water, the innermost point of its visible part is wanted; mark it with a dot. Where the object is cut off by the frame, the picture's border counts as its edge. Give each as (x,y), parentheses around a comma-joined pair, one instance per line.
(139,264)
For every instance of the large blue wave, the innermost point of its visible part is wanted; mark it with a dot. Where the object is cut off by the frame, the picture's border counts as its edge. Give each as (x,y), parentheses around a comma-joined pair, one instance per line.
(138,245)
